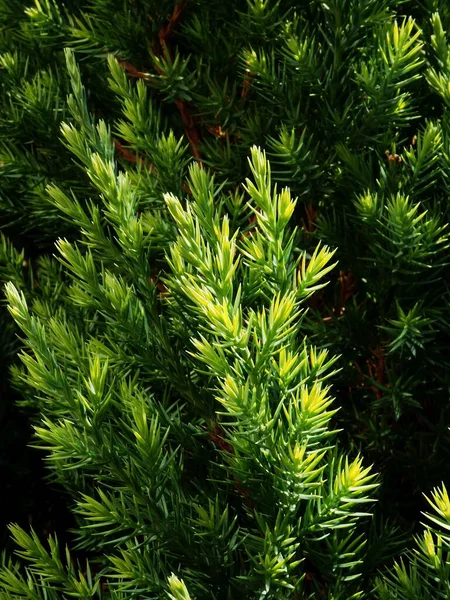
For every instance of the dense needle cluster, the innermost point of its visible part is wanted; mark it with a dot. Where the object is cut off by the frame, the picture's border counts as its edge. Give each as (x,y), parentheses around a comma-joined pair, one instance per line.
(225,254)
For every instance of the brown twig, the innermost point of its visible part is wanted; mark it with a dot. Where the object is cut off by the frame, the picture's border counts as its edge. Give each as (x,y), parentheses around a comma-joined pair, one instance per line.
(246,87)
(376,367)
(189,126)
(191,132)
(188,122)
(309,222)
(160,285)
(131,70)
(130,157)
(166,31)
(127,154)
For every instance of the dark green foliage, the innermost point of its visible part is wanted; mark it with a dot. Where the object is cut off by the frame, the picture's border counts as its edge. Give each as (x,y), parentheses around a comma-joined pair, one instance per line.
(349,99)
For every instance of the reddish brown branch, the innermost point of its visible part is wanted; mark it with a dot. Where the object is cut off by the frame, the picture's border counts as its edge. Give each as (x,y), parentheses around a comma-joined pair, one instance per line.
(131,70)
(160,285)
(188,122)
(309,222)
(246,87)
(166,31)
(189,126)
(191,131)
(376,367)
(216,437)
(130,157)
(127,154)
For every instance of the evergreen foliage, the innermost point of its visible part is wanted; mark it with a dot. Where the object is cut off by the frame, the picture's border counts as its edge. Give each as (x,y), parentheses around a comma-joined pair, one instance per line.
(240,495)
(213,166)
